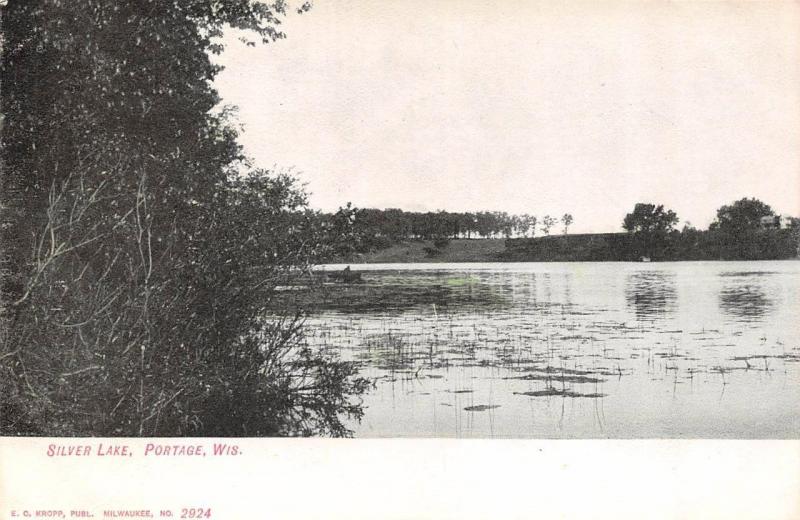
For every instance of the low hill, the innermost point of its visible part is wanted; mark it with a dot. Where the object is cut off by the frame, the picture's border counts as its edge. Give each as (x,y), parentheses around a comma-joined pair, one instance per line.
(774,244)
(417,251)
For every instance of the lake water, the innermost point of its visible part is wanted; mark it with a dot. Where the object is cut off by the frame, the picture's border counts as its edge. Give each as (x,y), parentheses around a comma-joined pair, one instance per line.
(572,350)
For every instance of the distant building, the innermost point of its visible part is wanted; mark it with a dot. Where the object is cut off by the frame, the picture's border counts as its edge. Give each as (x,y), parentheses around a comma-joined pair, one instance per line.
(777,222)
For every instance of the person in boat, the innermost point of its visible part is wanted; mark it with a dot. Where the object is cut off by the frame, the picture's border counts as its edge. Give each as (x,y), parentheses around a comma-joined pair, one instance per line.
(346,275)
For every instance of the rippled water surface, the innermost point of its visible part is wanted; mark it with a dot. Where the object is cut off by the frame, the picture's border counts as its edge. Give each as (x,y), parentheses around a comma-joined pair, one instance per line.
(586,350)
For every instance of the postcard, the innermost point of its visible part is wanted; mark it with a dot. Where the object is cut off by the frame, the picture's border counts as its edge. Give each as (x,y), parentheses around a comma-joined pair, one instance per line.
(399,259)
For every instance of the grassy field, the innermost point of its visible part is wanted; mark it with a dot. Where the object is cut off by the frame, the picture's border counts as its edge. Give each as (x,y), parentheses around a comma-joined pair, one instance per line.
(458,250)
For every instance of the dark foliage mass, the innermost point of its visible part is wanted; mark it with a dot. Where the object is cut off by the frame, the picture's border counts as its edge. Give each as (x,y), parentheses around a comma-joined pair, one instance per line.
(374,229)
(687,244)
(649,218)
(741,216)
(738,233)
(397,224)
(140,252)
(650,226)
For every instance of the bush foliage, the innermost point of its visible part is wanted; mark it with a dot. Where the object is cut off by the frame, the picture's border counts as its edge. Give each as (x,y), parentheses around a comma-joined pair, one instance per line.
(141,252)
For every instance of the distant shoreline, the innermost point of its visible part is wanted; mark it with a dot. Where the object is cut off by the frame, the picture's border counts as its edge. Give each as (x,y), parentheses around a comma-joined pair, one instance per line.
(460,250)
(553,248)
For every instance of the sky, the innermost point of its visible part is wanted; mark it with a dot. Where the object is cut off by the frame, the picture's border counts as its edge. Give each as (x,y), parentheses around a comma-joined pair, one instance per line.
(526,107)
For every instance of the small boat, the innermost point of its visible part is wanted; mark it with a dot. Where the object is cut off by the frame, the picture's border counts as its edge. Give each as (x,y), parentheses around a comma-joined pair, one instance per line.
(644,258)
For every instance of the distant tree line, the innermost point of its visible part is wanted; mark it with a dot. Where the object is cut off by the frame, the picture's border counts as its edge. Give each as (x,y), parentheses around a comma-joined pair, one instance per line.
(737,233)
(380,228)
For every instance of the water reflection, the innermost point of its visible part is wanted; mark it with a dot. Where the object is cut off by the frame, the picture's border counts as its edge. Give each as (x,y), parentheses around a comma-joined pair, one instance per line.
(746,302)
(651,294)
(395,292)
(549,350)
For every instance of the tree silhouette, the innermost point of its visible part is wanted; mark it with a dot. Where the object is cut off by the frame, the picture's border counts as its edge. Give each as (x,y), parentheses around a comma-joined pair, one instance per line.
(567,220)
(649,218)
(741,215)
(547,223)
(650,225)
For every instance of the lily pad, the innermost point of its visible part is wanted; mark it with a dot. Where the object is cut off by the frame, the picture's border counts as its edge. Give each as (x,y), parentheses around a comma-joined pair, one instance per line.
(550,392)
(481,407)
